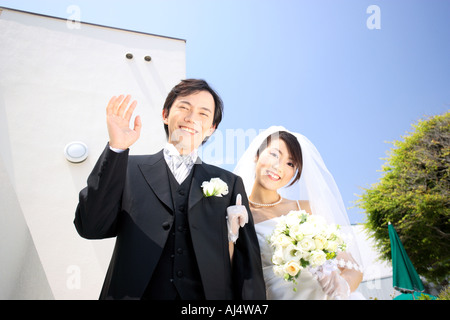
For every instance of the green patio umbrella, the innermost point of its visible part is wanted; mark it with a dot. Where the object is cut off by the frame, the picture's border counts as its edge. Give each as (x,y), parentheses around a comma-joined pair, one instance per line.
(415,296)
(406,279)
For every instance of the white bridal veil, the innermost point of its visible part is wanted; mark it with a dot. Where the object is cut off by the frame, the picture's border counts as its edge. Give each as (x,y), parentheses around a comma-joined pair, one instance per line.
(316,184)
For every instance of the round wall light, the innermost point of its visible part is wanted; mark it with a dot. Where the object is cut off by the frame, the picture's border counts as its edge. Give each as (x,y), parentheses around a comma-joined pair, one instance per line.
(76,151)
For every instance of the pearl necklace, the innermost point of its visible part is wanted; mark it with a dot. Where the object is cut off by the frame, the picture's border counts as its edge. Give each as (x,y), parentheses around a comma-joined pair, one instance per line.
(266,204)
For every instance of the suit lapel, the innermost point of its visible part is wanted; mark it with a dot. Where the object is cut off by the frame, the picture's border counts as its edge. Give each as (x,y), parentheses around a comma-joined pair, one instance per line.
(155,173)
(196,193)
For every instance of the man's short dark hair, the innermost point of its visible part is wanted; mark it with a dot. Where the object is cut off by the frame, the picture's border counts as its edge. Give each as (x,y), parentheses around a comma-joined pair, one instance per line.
(191,86)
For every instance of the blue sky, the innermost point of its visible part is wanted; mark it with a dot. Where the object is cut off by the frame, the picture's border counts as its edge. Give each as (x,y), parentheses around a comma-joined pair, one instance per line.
(311,66)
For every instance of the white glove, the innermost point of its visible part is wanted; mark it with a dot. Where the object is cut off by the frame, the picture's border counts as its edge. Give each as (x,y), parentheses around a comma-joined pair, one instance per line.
(334,285)
(237,216)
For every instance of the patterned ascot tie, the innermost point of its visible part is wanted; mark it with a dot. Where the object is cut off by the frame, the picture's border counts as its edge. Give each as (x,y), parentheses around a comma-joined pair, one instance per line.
(180,165)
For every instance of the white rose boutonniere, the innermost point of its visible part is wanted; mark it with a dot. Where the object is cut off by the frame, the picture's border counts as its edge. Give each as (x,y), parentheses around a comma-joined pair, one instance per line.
(215,187)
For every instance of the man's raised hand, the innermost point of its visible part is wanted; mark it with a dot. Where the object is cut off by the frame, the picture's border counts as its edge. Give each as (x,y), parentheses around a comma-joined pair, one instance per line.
(118,116)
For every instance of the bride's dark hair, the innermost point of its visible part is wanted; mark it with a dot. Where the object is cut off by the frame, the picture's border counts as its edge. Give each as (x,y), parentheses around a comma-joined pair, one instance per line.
(295,151)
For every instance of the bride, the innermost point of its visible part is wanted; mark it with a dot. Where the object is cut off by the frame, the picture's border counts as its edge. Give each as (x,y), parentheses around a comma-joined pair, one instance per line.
(278,168)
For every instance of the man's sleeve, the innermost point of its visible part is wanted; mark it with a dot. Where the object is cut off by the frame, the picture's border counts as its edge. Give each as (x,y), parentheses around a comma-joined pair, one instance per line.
(100,202)
(247,267)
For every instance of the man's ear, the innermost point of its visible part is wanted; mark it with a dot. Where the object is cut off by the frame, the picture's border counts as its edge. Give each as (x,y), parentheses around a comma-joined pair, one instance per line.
(209,133)
(211,130)
(165,118)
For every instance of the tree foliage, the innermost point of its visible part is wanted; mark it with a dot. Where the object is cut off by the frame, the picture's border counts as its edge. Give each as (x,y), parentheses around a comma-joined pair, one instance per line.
(414,195)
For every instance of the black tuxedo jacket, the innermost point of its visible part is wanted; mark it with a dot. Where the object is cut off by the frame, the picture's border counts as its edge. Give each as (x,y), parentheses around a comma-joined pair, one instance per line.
(129,197)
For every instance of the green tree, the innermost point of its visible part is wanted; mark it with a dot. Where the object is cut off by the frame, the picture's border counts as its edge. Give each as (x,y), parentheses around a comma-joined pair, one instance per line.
(414,195)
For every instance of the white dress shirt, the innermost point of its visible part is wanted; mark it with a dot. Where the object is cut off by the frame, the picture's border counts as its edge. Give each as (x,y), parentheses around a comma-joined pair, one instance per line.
(180,165)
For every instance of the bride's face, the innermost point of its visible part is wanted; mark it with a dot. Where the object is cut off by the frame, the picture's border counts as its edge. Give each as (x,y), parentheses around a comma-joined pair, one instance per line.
(274,167)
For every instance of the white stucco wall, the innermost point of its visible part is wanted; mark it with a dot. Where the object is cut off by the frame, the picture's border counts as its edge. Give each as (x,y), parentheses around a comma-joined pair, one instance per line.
(377,280)
(56,79)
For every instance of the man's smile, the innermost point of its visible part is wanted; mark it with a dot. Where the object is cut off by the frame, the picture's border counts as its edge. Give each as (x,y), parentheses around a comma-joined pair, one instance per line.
(189,130)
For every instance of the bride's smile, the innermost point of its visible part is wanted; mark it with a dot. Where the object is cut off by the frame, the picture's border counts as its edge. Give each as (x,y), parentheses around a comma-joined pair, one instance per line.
(273,176)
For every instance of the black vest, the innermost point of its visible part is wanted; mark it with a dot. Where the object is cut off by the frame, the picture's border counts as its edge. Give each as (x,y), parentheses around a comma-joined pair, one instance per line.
(176,275)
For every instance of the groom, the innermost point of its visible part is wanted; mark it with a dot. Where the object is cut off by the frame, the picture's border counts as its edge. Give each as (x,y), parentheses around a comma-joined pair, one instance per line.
(171,240)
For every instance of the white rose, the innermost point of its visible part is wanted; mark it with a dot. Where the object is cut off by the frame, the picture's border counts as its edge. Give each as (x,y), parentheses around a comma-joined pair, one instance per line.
(307,244)
(277,257)
(296,233)
(292,268)
(215,187)
(281,240)
(317,258)
(320,242)
(292,219)
(307,229)
(331,246)
(278,271)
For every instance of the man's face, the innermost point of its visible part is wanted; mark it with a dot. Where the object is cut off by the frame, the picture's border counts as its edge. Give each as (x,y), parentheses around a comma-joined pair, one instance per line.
(190,121)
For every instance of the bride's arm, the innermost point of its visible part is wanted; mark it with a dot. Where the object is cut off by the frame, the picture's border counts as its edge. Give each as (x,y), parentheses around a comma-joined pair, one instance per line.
(350,270)
(304,205)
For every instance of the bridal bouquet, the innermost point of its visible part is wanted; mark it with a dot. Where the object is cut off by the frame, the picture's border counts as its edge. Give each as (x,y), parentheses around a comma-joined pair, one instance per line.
(303,241)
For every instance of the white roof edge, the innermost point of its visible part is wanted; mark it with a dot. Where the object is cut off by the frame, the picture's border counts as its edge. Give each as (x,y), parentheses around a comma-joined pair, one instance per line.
(91,24)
